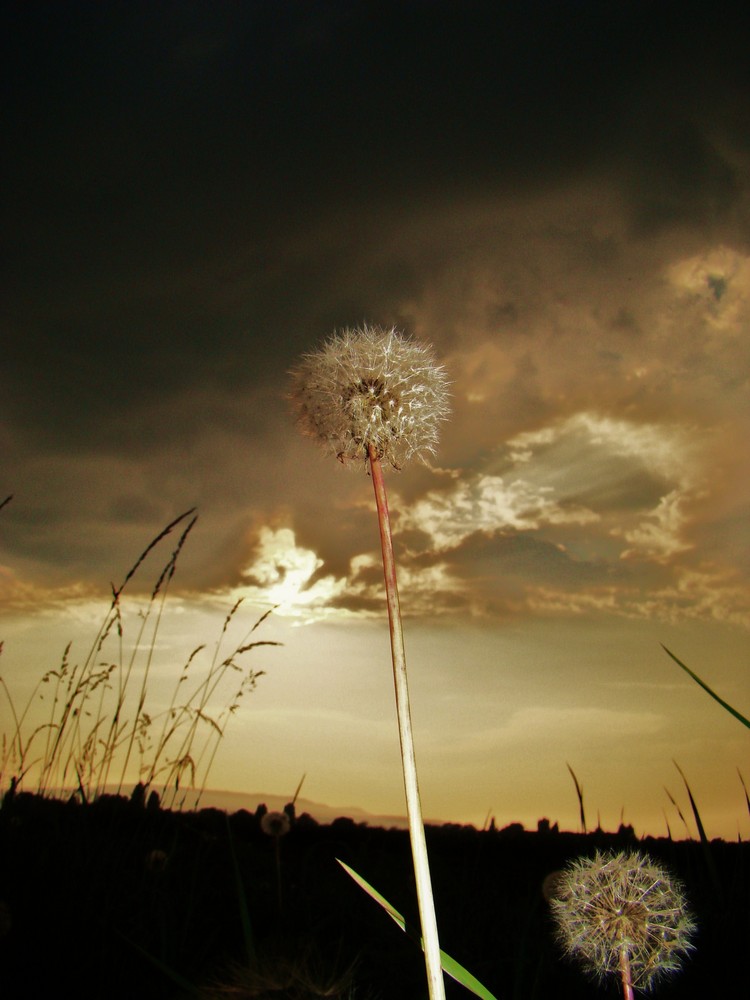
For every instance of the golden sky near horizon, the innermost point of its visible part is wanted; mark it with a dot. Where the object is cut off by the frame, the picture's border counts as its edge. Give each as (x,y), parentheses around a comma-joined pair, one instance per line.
(197,198)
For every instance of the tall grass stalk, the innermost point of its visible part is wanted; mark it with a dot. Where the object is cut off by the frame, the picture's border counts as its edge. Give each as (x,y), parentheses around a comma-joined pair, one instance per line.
(194,711)
(160,591)
(95,726)
(67,740)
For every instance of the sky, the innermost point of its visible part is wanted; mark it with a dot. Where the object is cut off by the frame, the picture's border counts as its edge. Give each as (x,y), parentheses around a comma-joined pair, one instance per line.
(556,197)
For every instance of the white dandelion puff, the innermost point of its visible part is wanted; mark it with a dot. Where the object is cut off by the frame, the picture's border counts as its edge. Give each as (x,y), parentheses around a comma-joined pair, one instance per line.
(622,914)
(371,387)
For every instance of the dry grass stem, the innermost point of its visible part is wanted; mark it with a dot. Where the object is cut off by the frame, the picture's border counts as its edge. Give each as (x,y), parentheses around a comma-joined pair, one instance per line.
(93,724)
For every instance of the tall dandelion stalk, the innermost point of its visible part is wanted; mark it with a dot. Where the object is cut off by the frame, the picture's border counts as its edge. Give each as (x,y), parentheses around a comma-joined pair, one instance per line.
(371,396)
(621,914)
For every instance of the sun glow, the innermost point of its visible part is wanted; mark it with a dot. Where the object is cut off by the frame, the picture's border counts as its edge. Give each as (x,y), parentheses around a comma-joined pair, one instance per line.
(282,575)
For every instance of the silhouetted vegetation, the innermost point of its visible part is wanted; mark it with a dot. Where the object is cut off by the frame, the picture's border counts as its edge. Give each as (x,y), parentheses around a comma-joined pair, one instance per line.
(119,899)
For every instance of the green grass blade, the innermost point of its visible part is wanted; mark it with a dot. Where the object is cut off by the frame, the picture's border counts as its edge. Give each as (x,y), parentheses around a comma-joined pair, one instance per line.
(450,965)
(163,967)
(389,909)
(694,807)
(579,793)
(744,788)
(714,695)
(705,844)
(673,800)
(247,927)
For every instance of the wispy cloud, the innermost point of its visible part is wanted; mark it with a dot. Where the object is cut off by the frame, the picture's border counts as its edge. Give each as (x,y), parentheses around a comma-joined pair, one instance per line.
(591,515)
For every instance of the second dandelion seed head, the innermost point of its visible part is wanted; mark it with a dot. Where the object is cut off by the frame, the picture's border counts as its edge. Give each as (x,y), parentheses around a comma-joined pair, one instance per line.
(275,824)
(371,388)
(622,905)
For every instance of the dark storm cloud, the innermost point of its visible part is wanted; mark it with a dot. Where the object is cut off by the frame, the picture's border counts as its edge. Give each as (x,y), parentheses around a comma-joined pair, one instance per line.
(195,193)
(682,178)
(142,133)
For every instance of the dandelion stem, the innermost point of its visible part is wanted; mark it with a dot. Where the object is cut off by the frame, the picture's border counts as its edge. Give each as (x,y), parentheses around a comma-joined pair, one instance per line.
(626,975)
(413,806)
(277,851)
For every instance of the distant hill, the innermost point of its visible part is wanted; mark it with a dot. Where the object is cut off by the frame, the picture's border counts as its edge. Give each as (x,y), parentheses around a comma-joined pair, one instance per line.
(232,802)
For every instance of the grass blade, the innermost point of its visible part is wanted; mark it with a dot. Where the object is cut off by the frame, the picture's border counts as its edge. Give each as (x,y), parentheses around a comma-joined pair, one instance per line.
(693,806)
(449,965)
(714,695)
(247,928)
(163,967)
(705,844)
(299,788)
(579,793)
(673,800)
(744,788)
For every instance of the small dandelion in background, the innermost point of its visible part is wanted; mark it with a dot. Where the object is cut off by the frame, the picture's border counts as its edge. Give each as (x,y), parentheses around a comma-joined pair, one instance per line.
(275,824)
(371,396)
(621,914)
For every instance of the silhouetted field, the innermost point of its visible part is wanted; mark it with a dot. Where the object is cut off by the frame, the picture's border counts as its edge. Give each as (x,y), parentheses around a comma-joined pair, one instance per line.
(105,900)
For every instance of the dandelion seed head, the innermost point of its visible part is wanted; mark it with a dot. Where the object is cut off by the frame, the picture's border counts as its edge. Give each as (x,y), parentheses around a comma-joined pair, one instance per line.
(371,387)
(617,903)
(275,824)
(157,860)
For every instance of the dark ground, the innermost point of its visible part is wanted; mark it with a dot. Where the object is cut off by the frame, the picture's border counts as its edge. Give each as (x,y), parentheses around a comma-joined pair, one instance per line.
(102,901)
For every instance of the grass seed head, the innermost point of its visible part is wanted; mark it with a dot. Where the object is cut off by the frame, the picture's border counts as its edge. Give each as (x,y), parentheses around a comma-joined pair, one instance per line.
(371,387)
(617,903)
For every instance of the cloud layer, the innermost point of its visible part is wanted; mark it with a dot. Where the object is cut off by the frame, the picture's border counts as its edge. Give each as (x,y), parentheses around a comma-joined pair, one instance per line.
(555,197)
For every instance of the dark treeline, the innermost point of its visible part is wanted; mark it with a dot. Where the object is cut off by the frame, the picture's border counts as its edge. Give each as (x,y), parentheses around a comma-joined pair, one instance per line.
(123,899)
